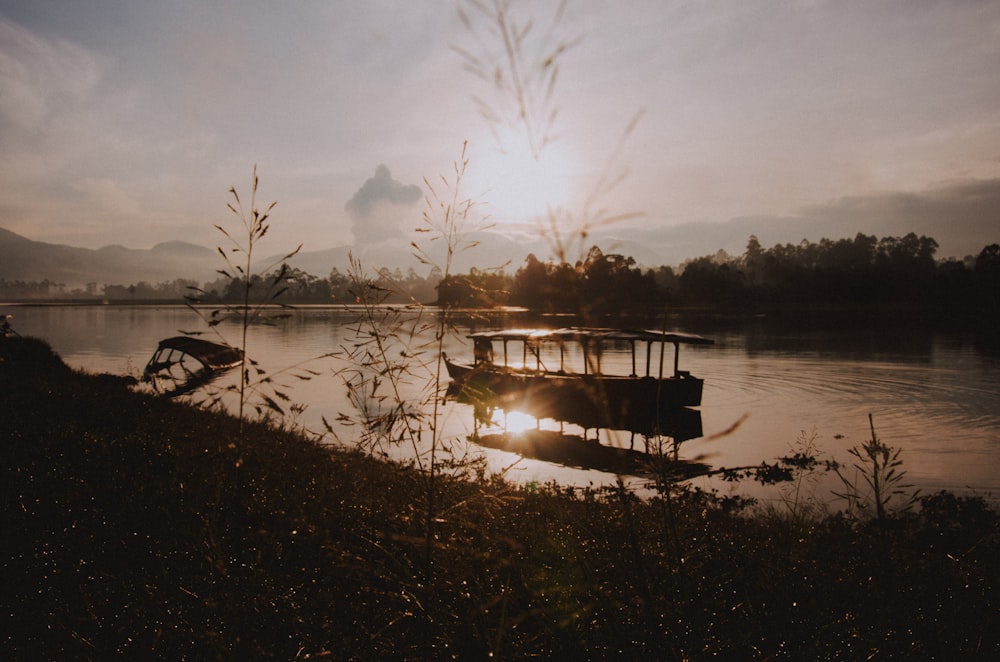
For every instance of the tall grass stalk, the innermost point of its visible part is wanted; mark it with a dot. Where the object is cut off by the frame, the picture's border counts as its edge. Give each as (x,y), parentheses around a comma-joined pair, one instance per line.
(523,73)
(506,57)
(797,494)
(393,375)
(879,467)
(521,65)
(381,369)
(445,217)
(517,50)
(259,303)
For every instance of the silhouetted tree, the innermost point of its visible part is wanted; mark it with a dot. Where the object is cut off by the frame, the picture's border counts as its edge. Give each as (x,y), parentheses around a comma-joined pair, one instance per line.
(987,279)
(532,283)
(706,280)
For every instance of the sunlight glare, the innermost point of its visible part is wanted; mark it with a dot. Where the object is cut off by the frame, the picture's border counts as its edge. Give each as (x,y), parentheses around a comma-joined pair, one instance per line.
(518,187)
(514,422)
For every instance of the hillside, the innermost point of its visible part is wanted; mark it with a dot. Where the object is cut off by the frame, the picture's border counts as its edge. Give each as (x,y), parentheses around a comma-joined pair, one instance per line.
(972,228)
(27,260)
(22,259)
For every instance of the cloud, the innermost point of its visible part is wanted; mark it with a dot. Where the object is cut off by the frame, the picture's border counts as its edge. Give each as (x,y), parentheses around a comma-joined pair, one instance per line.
(46,83)
(379,207)
(38,75)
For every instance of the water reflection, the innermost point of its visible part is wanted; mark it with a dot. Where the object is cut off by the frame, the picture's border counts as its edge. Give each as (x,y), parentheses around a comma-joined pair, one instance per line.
(569,431)
(781,378)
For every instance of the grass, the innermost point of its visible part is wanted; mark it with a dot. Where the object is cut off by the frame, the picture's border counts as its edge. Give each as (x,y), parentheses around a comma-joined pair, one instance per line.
(260,302)
(125,536)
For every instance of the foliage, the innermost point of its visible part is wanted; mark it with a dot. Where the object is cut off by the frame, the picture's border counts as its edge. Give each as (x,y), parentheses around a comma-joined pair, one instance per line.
(384,376)
(597,284)
(521,66)
(878,467)
(21,289)
(863,270)
(253,300)
(396,383)
(126,547)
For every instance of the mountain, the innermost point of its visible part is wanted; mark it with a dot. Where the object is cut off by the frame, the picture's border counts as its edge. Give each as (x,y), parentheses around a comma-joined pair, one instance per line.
(27,260)
(493,250)
(962,217)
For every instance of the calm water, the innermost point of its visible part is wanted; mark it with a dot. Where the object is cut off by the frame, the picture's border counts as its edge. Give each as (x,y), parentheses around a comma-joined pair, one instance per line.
(935,395)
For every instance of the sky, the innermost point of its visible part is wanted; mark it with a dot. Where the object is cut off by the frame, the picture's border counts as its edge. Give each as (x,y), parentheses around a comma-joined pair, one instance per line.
(127,121)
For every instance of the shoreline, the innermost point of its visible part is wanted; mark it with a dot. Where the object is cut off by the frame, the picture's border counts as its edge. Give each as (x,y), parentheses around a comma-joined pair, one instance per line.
(148,527)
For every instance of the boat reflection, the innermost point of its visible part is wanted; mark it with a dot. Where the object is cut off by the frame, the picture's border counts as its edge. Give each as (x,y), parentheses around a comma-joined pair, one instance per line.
(678,423)
(566,431)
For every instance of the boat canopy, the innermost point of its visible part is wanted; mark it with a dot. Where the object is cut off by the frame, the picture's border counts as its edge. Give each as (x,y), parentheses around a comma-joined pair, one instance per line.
(581,334)
(590,338)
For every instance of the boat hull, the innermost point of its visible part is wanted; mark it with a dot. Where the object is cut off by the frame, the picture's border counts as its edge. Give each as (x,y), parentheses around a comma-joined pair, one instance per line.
(183,364)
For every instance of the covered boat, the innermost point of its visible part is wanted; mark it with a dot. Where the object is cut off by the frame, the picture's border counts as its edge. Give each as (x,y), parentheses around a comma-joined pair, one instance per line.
(562,369)
(183,363)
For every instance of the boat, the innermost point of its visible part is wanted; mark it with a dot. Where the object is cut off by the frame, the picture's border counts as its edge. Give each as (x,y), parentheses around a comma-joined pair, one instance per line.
(183,363)
(561,372)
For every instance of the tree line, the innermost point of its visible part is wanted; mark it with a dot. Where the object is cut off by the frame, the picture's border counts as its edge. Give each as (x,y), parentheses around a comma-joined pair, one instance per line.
(298,287)
(864,269)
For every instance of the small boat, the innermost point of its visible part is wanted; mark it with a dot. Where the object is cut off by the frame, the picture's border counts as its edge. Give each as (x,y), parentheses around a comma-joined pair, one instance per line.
(183,363)
(537,364)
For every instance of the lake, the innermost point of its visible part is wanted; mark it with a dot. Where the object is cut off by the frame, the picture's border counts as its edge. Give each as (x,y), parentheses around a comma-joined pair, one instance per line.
(770,384)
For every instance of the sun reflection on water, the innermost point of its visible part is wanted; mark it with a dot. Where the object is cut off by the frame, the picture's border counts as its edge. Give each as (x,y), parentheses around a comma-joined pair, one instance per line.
(513,422)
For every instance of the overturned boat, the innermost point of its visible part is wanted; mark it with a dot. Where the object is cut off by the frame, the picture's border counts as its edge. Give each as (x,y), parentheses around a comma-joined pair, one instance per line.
(183,363)
(561,372)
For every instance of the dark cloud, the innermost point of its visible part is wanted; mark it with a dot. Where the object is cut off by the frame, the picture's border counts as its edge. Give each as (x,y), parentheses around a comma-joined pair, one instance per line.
(379,208)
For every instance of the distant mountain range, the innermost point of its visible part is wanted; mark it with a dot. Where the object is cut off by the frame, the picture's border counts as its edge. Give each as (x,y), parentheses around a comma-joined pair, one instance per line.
(963,218)
(27,260)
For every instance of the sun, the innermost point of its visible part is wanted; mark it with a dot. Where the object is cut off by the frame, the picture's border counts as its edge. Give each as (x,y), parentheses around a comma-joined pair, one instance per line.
(517,186)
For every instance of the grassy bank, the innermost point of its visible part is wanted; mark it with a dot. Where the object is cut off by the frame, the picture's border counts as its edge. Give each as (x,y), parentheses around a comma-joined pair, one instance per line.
(130,528)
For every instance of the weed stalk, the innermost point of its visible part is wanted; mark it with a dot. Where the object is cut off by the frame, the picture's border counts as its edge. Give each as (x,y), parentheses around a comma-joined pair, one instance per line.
(253,307)
(879,467)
